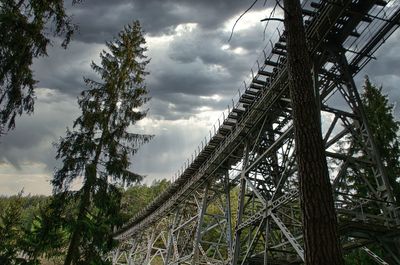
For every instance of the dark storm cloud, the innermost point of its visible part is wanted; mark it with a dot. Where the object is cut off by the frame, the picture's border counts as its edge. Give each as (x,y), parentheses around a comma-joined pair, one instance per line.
(251,40)
(183,86)
(206,45)
(64,70)
(188,82)
(385,71)
(33,137)
(181,106)
(387,58)
(195,63)
(201,62)
(101,21)
(200,44)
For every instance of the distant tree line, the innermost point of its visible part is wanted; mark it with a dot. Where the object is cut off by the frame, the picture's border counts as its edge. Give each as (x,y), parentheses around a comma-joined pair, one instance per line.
(29,232)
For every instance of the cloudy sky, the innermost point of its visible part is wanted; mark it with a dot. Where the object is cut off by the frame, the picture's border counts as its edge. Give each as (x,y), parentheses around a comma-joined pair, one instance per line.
(194,73)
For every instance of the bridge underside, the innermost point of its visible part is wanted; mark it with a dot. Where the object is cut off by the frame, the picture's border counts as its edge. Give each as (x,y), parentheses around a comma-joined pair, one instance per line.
(238,201)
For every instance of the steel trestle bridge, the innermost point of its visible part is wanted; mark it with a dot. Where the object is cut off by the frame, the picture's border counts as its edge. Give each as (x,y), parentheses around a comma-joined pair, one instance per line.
(237,201)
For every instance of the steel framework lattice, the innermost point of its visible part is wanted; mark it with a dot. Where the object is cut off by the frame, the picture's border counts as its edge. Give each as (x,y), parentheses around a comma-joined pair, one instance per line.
(237,202)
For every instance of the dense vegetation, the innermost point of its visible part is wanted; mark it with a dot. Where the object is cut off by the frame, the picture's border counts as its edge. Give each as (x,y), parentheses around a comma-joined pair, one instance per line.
(24,229)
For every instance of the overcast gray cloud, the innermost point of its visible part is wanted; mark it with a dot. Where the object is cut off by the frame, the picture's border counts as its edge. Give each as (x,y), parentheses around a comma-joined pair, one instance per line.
(27,153)
(385,70)
(104,18)
(34,135)
(194,72)
(63,70)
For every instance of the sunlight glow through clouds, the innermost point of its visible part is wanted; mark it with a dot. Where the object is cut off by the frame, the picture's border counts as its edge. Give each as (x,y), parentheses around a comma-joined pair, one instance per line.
(166,133)
(160,41)
(215,97)
(185,28)
(247,21)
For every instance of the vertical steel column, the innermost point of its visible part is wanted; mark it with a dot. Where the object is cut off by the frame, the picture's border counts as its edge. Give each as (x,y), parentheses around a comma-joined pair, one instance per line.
(171,236)
(236,247)
(195,258)
(228,215)
(129,258)
(115,257)
(375,152)
(266,240)
(150,240)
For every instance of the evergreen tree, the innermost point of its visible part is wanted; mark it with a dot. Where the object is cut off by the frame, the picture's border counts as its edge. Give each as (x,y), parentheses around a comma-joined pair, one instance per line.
(24,35)
(99,147)
(47,233)
(29,232)
(385,131)
(11,232)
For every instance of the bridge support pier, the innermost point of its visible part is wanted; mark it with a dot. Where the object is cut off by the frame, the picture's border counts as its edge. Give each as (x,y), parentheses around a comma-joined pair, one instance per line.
(241,200)
(202,210)
(171,228)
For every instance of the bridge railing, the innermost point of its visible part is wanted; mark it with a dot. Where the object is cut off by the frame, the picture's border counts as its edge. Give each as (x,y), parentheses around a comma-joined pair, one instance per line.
(234,103)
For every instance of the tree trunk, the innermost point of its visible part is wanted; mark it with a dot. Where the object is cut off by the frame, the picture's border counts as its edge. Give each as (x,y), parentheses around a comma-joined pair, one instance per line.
(73,248)
(319,219)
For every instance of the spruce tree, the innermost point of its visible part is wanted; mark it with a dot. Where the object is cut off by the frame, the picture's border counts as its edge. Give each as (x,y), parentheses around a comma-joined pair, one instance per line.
(25,33)
(99,147)
(11,232)
(385,131)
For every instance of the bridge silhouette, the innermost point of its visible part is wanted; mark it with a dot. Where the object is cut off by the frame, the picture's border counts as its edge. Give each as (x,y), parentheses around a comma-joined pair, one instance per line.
(237,200)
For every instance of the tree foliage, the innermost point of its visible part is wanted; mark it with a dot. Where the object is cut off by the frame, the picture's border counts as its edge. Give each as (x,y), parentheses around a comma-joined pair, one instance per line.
(25,30)
(101,143)
(385,131)
(47,234)
(137,197)
(30,230)
(41,225)
(11,234)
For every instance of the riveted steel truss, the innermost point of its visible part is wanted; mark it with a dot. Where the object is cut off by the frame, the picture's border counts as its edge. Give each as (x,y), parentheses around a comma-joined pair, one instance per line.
(238,201)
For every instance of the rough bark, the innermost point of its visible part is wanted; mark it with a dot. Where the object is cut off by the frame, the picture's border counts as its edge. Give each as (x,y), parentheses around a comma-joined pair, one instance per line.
(73,248)
(318,213)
